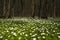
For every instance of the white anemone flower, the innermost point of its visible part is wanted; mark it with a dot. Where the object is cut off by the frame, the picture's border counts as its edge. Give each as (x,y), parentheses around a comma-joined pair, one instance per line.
(42,33)
(34,38)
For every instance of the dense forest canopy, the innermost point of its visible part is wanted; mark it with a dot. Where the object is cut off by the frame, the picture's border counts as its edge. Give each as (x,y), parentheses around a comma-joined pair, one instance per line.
(29,8)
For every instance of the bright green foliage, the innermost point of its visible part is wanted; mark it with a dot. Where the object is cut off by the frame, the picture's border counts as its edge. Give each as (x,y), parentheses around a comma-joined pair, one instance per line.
(29,29)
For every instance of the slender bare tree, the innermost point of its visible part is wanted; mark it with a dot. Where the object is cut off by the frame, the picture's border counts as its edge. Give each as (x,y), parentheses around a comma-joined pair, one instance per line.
(33,6)
(4,9)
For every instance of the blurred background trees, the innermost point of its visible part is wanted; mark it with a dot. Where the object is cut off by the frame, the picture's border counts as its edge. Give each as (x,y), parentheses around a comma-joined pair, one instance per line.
(29,8)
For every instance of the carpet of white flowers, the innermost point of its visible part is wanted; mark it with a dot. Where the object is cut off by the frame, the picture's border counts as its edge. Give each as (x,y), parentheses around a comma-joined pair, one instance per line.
(29,29)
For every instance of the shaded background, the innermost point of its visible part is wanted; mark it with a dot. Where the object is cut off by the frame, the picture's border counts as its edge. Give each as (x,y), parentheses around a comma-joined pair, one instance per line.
(29,8)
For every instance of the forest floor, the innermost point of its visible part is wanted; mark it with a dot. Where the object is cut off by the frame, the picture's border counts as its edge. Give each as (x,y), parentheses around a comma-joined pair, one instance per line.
(29,29)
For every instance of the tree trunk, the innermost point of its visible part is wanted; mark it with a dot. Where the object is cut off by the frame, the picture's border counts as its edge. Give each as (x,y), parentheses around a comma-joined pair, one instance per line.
(33,6)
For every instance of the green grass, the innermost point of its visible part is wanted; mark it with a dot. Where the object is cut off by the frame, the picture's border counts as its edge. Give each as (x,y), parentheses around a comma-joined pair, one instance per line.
(29,29)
